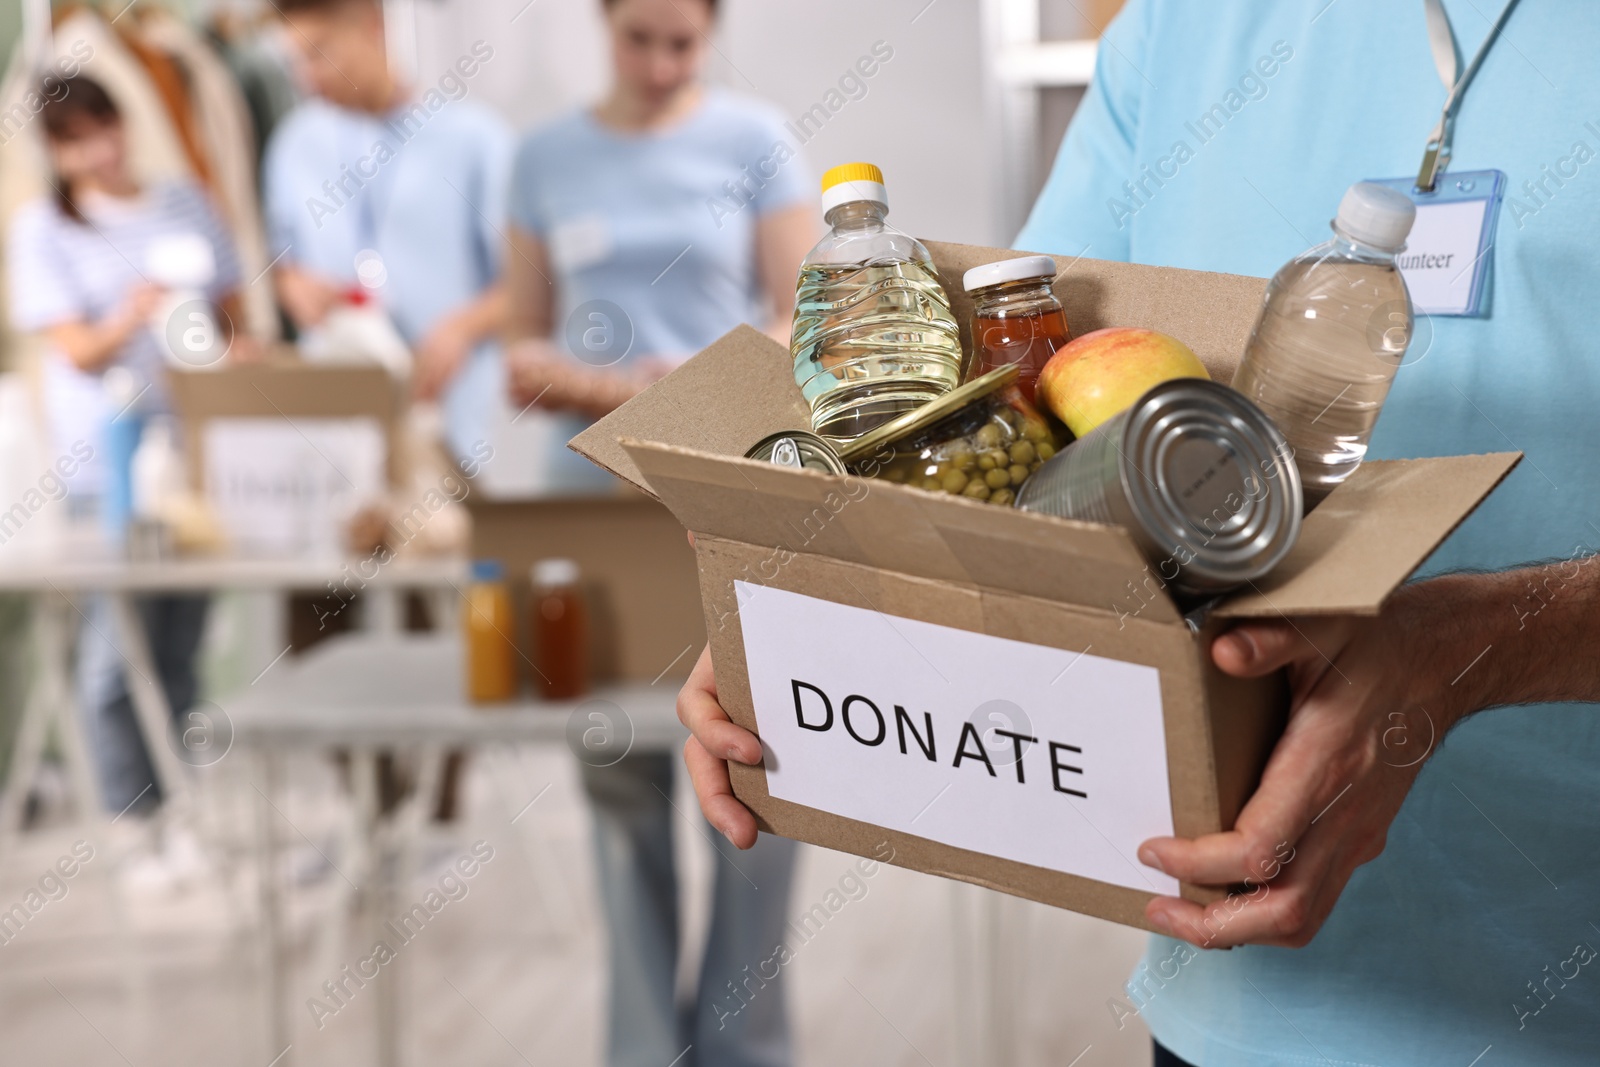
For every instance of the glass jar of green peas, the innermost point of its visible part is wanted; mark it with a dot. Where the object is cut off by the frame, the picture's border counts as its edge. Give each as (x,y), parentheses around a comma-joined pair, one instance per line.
(980,441)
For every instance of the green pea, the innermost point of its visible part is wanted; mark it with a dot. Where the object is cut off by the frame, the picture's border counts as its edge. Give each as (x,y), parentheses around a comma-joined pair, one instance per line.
(1045,449)
(997,478)
(999,457)
(1018,473)
(988,436)
(986,461)
(931,484)
(963,459)
(954,481)
(976,489)
(1022,452)
(1002,496)
(1036,430)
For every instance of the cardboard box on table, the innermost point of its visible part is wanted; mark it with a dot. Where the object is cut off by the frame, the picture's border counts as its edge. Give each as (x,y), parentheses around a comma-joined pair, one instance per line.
(286,451)
(887,591)
(638,576)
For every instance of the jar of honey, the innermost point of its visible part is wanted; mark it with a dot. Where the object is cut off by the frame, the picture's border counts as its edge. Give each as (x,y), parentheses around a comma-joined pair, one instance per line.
(560,631)
(1016,318)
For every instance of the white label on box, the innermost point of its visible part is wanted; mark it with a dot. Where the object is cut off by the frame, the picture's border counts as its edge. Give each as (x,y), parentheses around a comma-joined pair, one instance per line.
(289,486)
(1040,755)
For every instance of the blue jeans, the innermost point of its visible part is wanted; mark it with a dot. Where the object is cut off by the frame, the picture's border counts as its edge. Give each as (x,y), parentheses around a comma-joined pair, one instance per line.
(173,626)
(737,1017)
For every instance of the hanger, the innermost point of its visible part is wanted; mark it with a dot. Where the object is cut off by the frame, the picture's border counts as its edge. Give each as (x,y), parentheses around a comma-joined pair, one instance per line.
(38,35)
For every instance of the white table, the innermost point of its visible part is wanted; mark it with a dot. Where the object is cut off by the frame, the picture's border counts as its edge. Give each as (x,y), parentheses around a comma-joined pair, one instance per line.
(371,693)
(52,580)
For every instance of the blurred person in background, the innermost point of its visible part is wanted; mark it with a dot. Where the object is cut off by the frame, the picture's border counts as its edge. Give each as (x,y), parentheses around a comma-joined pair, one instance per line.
(627,256)
(79,266)
(394,189)
(391,190)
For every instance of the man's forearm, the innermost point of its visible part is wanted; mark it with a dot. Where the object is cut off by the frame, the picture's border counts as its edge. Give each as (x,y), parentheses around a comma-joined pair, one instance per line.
(1525,636)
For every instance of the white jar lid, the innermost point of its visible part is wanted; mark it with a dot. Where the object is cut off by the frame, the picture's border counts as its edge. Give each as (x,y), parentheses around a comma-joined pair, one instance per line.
(1008,270)
(554,573)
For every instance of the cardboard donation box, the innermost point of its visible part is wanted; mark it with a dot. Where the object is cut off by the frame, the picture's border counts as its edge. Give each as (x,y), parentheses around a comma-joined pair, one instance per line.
(287,452)
(1005,698)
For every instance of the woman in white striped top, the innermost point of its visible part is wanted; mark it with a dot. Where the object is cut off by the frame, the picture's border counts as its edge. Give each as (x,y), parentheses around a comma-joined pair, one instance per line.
(118,277)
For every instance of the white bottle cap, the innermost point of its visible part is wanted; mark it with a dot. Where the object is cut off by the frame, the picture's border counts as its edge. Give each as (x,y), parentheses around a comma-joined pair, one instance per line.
(551,573)
(1008,270)
(1376,215)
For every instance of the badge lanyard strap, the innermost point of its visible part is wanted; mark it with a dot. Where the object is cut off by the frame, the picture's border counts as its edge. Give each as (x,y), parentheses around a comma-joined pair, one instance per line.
(1442,41)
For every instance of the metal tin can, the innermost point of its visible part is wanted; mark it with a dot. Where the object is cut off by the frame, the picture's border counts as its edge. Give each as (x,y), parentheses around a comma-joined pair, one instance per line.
(797,448)
(1200,477)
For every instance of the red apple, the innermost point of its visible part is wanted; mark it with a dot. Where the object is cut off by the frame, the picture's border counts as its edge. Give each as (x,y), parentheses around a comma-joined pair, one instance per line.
(1102,373)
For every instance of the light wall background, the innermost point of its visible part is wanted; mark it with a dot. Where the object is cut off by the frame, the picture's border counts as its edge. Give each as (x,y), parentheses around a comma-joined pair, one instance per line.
(934,118)
(922,119)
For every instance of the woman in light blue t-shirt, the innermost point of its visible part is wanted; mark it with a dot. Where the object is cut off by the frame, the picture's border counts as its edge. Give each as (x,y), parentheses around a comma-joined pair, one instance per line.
(642,229)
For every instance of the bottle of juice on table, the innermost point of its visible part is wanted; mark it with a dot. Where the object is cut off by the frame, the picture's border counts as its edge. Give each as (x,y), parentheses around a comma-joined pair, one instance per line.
(874,335)
(560,631)
(489,625)
(1016,318)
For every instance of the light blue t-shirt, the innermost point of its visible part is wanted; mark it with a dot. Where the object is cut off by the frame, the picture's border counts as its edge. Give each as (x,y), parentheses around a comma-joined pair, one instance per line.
(652,236)
(424,187)
(1462,939)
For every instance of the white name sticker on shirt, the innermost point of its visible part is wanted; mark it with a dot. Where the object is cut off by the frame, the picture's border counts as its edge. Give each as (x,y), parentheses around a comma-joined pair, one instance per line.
(1045,756)
(579,243)
(1447,256)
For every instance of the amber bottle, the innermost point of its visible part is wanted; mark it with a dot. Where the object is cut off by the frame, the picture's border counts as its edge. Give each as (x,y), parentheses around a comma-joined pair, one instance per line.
(560,629)
(491,649)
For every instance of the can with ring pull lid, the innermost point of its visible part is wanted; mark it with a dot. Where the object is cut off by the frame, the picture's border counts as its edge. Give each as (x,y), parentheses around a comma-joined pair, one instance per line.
(1201,478)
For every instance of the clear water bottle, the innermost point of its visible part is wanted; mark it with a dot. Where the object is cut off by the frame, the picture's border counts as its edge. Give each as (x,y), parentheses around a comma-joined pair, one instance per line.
(1332,332)
(874,335)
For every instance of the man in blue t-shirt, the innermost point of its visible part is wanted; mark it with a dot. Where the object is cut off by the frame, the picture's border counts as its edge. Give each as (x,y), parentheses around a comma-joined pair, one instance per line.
(398,190)
(1418,911)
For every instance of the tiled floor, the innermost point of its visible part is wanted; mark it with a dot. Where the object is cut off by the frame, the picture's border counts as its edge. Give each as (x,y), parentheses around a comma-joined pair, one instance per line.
(510,974)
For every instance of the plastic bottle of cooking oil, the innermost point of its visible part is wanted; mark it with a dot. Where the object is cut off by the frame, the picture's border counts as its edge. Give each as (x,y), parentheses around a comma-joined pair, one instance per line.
(1332,332)
(874,335)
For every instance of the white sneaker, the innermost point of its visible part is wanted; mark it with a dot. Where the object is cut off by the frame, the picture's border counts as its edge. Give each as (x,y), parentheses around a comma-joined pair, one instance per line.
(168,860)
(183,857)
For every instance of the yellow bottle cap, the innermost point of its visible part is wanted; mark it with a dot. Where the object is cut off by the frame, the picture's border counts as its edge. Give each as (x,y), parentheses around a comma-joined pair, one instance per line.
(851,172)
